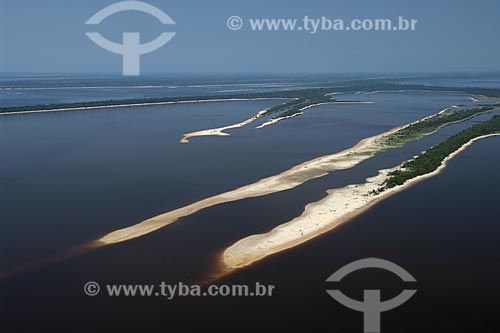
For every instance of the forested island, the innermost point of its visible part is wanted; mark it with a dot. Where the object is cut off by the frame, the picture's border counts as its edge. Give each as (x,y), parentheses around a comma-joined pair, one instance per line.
(430,124)
(430,160)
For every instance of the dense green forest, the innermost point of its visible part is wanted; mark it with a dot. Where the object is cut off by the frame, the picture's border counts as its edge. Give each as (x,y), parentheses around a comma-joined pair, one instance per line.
(430,160)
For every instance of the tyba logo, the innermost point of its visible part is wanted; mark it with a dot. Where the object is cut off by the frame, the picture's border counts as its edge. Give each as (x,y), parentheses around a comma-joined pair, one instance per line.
(131,49)
(372,305)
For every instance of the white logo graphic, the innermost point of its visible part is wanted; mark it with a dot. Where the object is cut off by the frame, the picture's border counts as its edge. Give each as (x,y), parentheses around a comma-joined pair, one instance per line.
(372,306)
(235,23)
(131,49)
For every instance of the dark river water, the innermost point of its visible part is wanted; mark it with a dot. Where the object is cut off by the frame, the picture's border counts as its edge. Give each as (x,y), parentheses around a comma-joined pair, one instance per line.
(69,177)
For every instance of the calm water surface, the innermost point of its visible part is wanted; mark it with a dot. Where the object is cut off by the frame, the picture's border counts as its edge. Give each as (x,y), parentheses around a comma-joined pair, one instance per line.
(70,177)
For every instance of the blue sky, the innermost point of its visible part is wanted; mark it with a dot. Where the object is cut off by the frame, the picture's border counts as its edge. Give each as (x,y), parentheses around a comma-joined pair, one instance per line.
(451,35)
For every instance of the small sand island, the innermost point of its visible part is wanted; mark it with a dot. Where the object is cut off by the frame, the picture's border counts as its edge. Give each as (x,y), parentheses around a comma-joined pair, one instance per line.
(220,131)
(281,111)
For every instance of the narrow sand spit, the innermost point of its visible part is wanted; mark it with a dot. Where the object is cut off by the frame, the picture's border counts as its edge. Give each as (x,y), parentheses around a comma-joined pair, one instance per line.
(220,131)
(275,120)
(339,206)
(137,104)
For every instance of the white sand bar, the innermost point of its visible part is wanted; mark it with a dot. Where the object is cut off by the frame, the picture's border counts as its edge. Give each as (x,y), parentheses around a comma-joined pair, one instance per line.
(220,130)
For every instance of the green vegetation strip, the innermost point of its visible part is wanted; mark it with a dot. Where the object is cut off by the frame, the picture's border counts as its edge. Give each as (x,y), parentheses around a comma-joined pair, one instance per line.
(433,123)
(430,160)
(293,107)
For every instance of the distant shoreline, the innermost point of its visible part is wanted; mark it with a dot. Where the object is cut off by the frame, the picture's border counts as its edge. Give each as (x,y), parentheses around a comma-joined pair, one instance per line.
(139,104)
